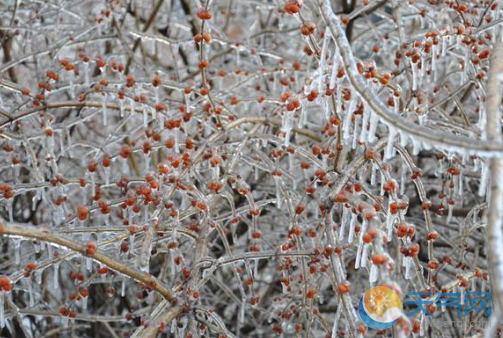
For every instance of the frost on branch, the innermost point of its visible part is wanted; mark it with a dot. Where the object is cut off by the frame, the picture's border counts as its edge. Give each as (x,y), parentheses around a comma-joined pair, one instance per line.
(245,168)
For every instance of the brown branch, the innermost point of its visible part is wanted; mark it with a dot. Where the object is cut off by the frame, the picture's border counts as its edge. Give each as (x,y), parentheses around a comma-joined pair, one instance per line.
(103,259)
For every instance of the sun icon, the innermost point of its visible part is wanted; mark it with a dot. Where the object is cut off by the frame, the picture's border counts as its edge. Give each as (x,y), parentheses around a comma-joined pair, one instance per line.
(379,301)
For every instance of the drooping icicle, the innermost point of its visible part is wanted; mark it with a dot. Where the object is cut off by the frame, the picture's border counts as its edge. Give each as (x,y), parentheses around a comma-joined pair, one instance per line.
(373,176)
(84,302)
(177,142)
(352,228)
(374,274)
(365,255)
(2,309)
(423,323)
(336,320)
(38,276)
(62,143)
(335,66)
(484,178)
(17,251)
(122,107)
(146,156)
(355,132)
(345,216)
(131,241)
(409,263)
(460,184)
(365,122)
(360,244)
(123,287)
(30,294)
(277,180)
(323,59)
(450,208)
(71,85)
(145,117)
(374,121)
(415,75)
(339,95)
(242,310)
(389,224)
(347,120)
(104,109)
(86,73)
(389,147)
(107,175)
(434,62)
(56,276)
(383,180)
(89,264)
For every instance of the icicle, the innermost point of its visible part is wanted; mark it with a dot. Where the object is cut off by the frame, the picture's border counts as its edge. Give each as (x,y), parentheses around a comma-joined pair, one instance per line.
(242,310)
(145,118)
(423,323)
(17,251)
(71,85)
(374,121)
(347,120)
(365,255)
(352,228)
(460,184)
(365,122)
(131,241)
(408,267)
(107,175)
(2,309)
(69,142)
(147,161)
(444,46)
(335,69)
(449,214)
(38,276)
(56,276)
(389,224)
(336,320)
(123,287)
(339,94)
(373,174)
(355,132)
(122,107)
(89,264)
(423,66)
(84,302)
(484,179)
(374,274)
(345,216)
(323,59)
(360,244)
(62,143)
(30,293)
(104,110)
(177,143)
(415,75)
(277,180)
(434,62)
(391,139)
(383,179)
(86,73)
